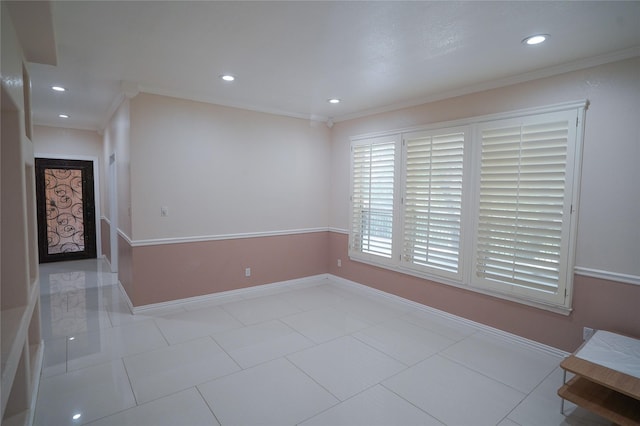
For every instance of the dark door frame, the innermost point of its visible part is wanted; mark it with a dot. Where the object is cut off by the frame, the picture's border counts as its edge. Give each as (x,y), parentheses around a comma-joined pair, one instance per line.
(88,208)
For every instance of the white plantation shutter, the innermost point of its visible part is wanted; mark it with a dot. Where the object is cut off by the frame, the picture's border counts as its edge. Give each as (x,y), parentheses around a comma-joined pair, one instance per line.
(484,203)
(372,198)
(432,206)
(524,204)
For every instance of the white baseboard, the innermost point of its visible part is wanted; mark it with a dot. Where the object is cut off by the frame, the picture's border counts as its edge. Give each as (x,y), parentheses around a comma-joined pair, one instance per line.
(106,260)
(479,326)
(221,296)
(126,297)
(352,285)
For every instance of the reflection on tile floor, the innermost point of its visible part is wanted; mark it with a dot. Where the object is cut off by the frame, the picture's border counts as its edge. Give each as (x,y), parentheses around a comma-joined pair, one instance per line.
(314,354)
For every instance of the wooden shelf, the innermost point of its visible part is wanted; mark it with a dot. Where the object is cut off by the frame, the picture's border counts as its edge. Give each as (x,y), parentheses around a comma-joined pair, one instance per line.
(604,376)
(615,406)
(603,390)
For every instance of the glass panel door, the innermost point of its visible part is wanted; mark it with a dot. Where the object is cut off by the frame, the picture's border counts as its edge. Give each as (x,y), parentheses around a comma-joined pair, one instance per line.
(66,212)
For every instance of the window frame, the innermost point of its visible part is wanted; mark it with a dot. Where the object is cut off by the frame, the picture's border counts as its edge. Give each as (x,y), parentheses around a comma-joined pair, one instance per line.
(427,269)
(360,255)
(568,213)
(468,225)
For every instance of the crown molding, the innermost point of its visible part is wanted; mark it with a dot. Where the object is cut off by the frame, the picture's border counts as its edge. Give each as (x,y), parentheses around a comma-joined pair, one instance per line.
(198,97)
(577,65)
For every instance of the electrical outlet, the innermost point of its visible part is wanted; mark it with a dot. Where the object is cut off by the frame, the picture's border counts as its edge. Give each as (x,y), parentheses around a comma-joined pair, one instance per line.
(164,211)
(339,263)
(587,333)
(247,272)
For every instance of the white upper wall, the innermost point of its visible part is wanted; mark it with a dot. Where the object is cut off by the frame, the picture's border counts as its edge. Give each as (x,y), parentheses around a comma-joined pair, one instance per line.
(609,212)
(61,141)
(71,144)
(117,142)
(222,170)
(11,60)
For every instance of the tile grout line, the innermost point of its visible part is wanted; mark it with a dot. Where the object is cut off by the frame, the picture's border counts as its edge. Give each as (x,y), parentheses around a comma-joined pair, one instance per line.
(530,393)
(126,371)
(411,403)
(286,358)
(493,379)
(207,404)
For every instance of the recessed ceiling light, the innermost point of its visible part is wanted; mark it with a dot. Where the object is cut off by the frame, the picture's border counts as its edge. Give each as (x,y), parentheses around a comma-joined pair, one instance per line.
(63,115)
(334,101)
(227,77)
(535,39)
(58,88)
(76,416)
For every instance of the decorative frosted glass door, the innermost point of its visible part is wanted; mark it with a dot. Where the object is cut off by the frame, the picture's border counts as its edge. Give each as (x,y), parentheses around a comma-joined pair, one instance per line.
(66,212)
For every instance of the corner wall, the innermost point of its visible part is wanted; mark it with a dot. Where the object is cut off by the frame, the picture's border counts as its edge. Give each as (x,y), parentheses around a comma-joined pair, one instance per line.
(241,189)
(607,283)
(116,213)
(247,189)
(597,303)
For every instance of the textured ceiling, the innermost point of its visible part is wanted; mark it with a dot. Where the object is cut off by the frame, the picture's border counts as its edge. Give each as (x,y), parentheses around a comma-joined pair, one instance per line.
(291,57)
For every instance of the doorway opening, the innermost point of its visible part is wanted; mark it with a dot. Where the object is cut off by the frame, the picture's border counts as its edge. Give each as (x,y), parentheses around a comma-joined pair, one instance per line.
(66,209)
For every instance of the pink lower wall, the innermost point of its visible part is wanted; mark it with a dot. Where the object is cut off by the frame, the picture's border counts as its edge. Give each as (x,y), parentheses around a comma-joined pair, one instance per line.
(165,272)
(176,271)
(597,303)
(105,245)
(125,265)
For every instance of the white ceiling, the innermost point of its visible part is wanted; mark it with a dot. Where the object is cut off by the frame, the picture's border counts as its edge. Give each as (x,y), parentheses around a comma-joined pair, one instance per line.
(291,57)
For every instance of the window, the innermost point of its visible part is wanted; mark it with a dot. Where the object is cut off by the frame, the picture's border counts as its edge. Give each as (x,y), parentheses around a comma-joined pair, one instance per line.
(373,194)
(432,201)
(523,208)
(498,191)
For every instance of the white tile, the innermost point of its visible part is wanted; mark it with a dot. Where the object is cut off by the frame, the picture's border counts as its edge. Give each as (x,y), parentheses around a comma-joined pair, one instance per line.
(346,292)
(93,392)
(266,333)
(542,407)
(78,311)
(454,394)
(372,309)
(183,408)
(162,372)
(508,422)
(449,328)
(322,325)
(260,309)
(55,357)
(68,276)
(213,301)
(112,343)
(258,343)
(403,341)
(273,393)
(376,406)
(120,314)
(346,366)
(189,325)
(316,297)
(509,362)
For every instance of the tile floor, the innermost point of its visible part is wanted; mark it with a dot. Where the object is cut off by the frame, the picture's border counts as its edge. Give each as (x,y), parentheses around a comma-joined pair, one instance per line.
(319,353)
